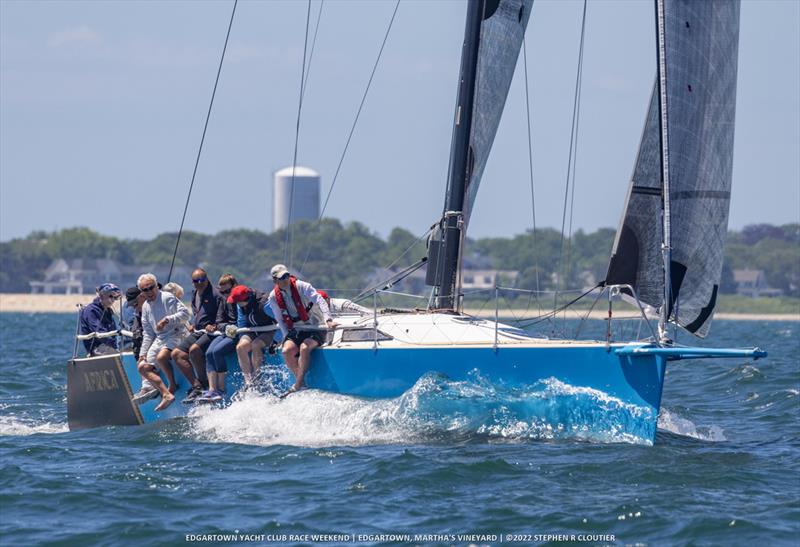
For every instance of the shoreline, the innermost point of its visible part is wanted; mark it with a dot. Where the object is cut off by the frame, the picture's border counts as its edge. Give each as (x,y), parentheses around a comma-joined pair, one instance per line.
(68,303)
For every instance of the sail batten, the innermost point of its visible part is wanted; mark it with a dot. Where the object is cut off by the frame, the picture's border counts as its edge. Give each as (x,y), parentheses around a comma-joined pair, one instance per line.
(701,46)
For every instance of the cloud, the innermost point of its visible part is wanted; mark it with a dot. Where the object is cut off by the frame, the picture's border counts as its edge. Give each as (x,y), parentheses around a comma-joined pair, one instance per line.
(78,36)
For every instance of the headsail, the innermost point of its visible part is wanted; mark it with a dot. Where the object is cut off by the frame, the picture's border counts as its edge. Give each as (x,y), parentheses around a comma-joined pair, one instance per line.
(493,37)
(701,41)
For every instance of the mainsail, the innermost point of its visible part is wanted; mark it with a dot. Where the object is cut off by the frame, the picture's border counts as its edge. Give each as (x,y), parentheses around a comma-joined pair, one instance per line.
(502,32)
(701,44)
(493,37)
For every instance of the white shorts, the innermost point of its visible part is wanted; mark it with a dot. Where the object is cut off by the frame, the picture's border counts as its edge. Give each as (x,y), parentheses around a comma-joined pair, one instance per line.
(170,342)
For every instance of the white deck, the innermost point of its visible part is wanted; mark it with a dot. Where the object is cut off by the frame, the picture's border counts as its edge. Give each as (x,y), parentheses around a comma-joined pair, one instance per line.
(423,329)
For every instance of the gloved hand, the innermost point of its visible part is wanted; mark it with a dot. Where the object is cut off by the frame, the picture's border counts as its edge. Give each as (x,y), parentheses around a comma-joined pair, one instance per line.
(230,331)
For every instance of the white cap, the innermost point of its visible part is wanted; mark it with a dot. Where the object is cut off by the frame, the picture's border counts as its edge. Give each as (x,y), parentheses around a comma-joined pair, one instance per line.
(278,271)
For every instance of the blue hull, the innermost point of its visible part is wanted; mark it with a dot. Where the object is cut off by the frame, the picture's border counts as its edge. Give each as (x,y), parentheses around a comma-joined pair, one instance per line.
(629,385)
(591,382)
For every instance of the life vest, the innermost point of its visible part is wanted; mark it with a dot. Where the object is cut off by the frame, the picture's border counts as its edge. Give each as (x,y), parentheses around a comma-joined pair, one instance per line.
(298,304)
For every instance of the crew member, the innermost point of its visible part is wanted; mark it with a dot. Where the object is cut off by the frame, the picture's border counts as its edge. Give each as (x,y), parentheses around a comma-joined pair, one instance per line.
(163,321)
(216,363)
(98,317)
(190,352)
(252,305)
(291,301)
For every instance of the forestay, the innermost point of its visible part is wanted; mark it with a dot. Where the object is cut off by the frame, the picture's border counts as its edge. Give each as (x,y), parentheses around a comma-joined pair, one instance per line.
(701,45)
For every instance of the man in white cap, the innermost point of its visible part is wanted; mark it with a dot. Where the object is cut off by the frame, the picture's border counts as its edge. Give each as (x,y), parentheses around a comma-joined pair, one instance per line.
(291,302)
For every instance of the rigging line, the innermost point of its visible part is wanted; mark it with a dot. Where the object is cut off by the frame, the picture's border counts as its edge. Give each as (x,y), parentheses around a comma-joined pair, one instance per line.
(571,144)
(568,263)
(555,312)
(588,313)
(396,260)
(530,169)
(288,242)
(202,140)
(313,44)
(353,128)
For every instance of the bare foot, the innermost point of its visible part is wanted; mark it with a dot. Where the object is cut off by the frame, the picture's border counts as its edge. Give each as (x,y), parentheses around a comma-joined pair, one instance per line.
(166,400)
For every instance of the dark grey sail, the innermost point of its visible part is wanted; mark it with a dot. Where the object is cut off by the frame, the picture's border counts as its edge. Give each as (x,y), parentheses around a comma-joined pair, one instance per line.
(493,37)
(502,33)
(701,46)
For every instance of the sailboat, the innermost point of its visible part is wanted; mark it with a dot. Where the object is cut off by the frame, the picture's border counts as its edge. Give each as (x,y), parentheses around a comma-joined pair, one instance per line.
(667,255)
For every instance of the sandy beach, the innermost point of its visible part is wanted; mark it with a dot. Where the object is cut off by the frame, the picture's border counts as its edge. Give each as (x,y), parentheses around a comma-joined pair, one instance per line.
(68,303)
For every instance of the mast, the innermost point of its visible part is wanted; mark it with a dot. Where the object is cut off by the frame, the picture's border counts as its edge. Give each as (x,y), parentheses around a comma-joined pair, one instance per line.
(666,242)
(444,255)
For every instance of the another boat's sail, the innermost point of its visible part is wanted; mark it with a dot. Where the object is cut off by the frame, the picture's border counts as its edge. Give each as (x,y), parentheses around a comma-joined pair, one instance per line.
(492,40)
(701,44)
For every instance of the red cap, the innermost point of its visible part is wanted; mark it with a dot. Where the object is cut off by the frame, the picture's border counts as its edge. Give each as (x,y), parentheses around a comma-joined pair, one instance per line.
(240,293)
(323,294)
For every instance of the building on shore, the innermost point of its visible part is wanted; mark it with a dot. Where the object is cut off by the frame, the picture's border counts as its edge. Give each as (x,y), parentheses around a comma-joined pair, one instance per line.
(753,283)
(82,275)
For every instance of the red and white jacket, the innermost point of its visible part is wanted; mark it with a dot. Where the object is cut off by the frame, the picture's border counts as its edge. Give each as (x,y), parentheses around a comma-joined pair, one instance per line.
(298,299)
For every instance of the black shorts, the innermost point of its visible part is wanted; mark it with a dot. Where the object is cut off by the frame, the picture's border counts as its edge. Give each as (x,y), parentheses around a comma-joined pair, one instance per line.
(301,336)
(200,337)
(264,337)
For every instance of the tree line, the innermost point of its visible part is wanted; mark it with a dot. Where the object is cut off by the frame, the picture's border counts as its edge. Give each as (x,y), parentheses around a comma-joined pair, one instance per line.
(349,255)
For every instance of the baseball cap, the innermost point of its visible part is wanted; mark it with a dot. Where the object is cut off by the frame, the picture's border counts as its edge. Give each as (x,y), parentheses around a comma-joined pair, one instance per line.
(108,288)
(132,294)
(278,271)
(240,293)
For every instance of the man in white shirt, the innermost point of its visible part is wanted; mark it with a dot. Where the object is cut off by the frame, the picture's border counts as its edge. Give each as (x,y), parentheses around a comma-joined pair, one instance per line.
(164,324)
(291,302)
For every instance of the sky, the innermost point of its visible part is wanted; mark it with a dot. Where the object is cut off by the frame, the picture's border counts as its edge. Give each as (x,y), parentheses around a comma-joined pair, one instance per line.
(102,106)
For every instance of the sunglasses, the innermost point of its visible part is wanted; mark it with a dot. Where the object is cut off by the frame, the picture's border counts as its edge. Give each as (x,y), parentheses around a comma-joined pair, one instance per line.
(224,291)
(199,279)
(147,289)
(281,278)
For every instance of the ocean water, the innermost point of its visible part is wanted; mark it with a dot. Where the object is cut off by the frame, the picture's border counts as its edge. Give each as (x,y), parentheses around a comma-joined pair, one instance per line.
(446,463)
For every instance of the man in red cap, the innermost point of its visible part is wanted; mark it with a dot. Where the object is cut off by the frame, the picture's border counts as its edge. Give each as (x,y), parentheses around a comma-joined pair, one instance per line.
(250,348)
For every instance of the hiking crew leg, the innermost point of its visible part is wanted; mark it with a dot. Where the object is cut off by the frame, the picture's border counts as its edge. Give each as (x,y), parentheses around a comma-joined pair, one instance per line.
(216,363)
(290,352)
(308,345)
(181,359)
(148,372)
(257,350)
(243,353)
(197,357)
(256,355)
(163,362)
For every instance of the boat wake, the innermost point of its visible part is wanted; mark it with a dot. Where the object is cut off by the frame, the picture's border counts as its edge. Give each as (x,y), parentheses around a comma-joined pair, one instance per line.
(672,423)
(436,409)
(13,426)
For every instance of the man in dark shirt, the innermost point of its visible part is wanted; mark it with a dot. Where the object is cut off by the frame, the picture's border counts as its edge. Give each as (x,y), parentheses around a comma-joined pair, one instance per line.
(98,317)
(191,351)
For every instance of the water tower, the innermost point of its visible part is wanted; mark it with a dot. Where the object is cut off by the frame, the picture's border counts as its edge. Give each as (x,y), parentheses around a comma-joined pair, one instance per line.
(303,201)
